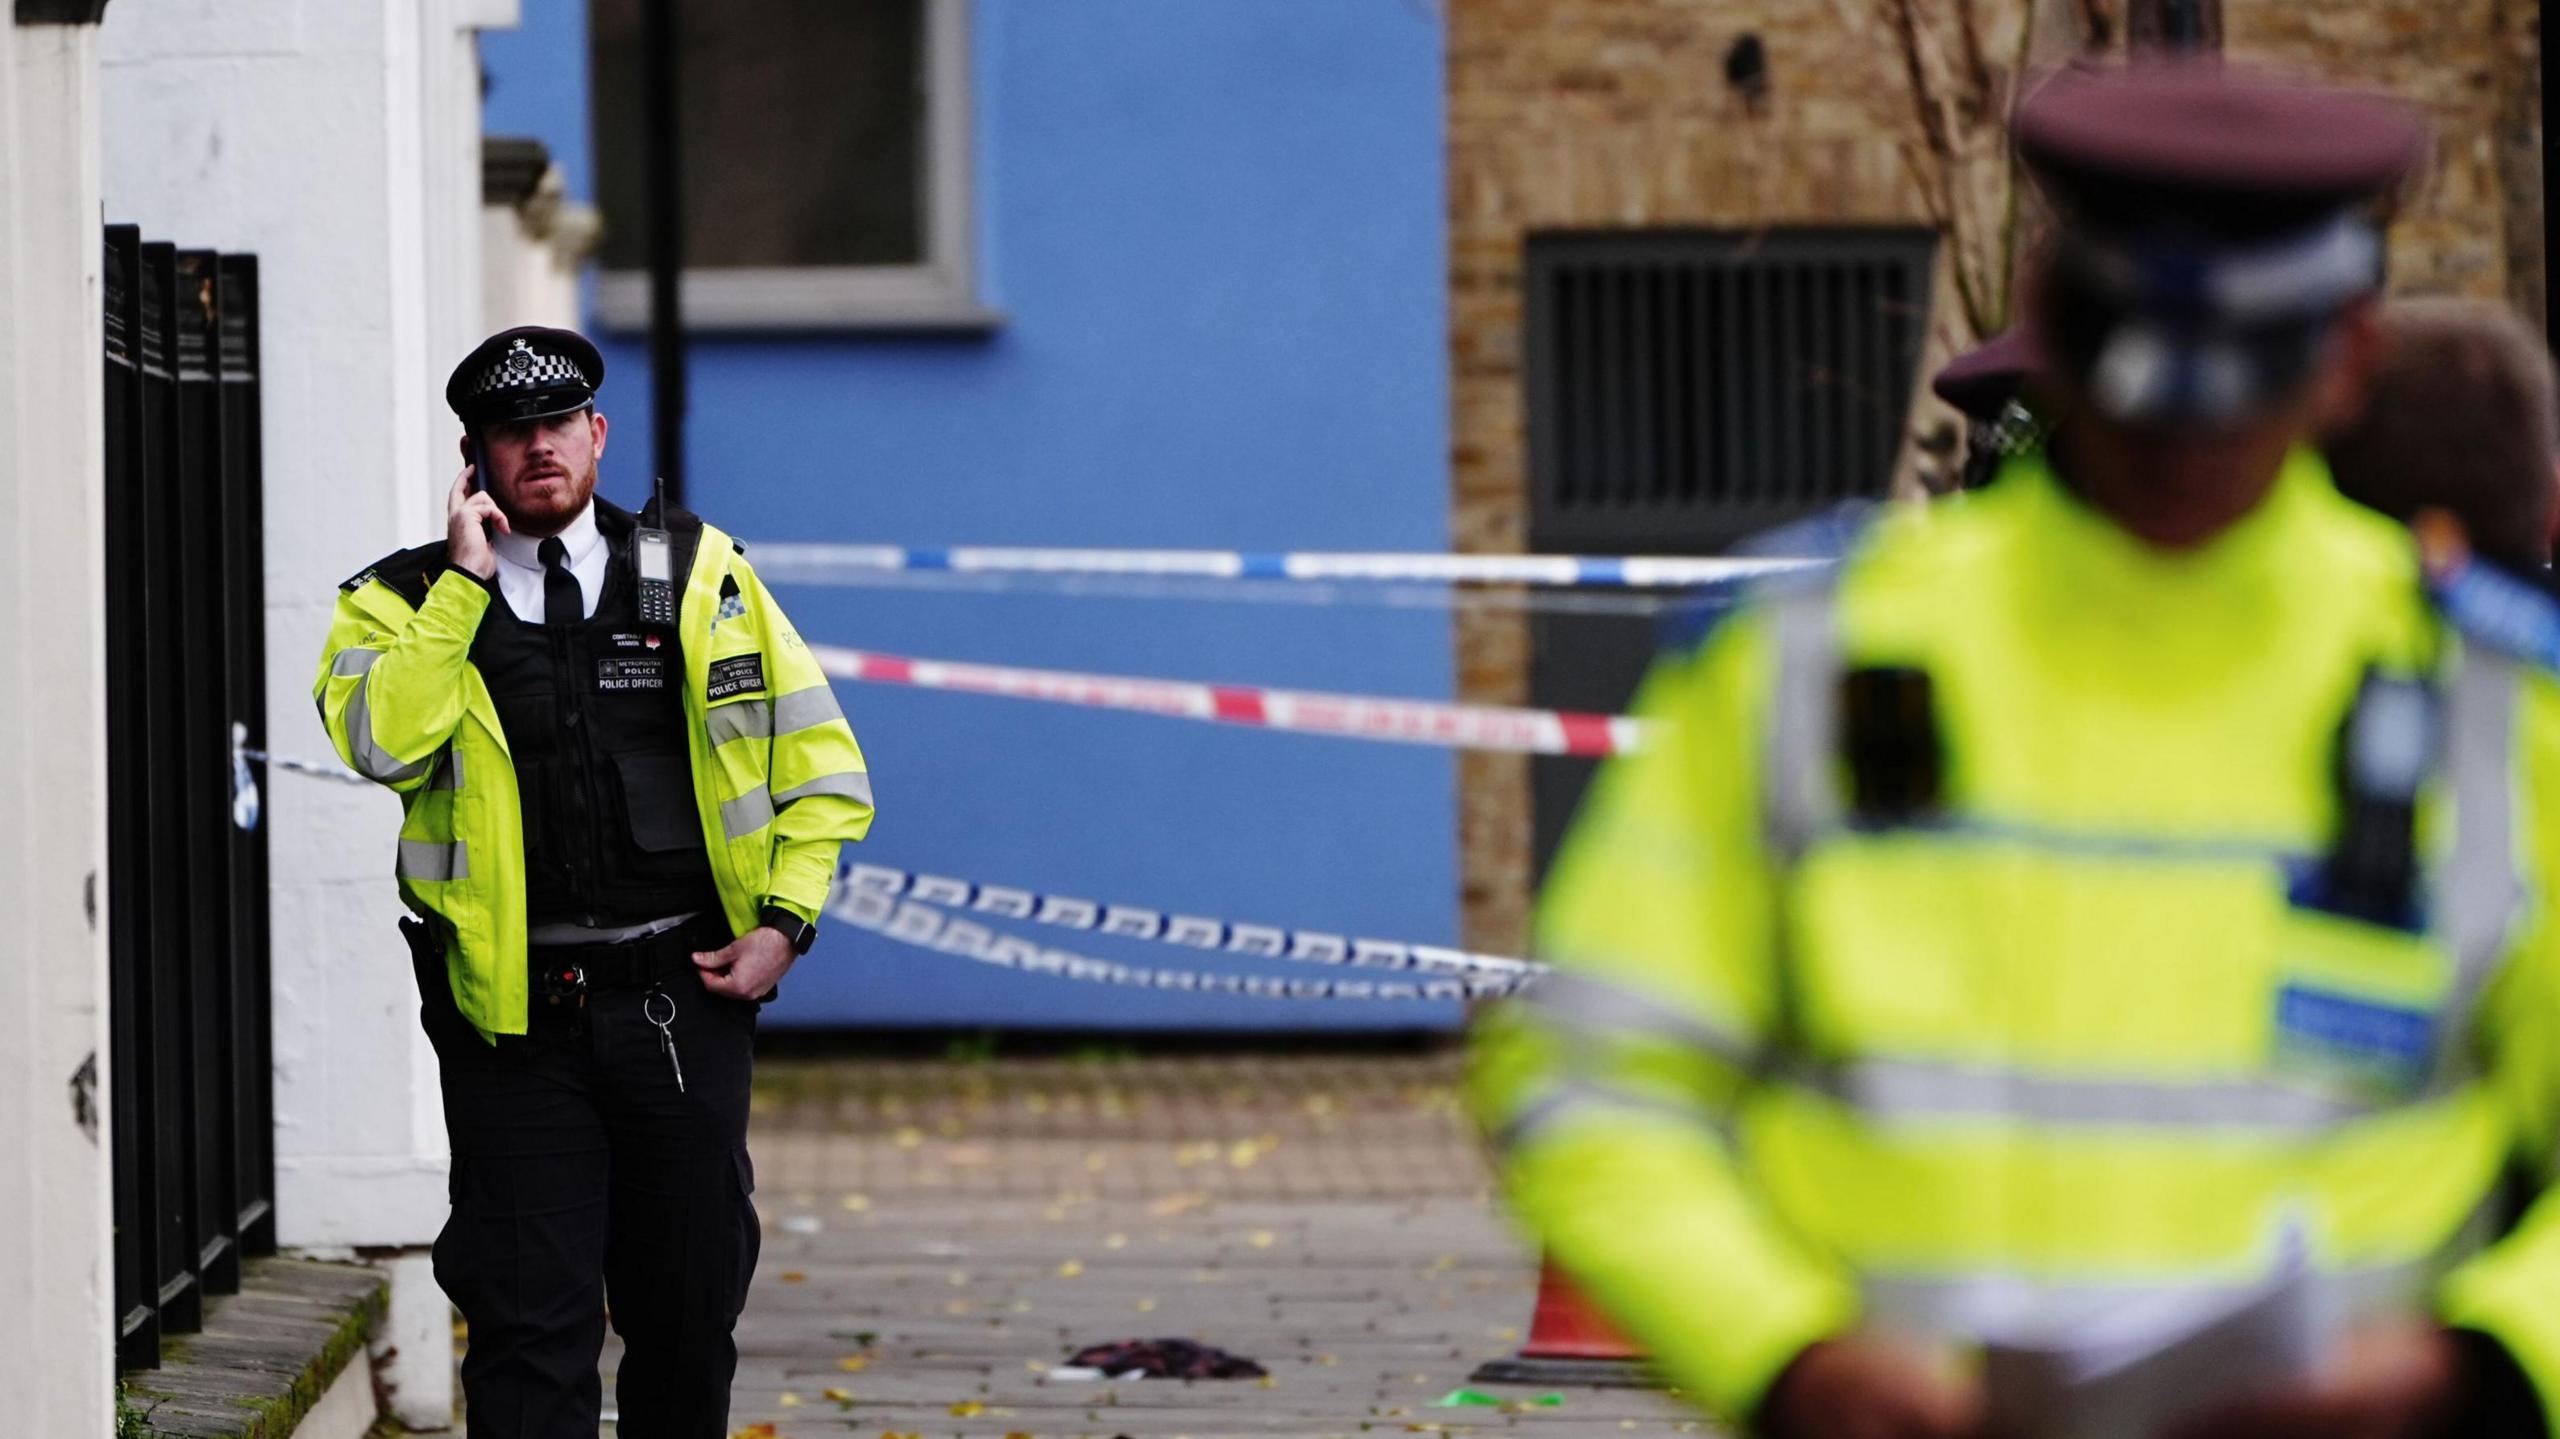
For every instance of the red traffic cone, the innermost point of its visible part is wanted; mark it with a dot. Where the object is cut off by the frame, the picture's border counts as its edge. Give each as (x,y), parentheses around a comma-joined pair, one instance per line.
(1569,1344)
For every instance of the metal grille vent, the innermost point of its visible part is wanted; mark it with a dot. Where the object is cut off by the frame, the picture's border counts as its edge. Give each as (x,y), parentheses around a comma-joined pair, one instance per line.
(1688,388)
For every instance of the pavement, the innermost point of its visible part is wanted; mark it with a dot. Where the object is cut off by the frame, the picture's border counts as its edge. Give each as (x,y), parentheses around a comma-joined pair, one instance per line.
(941,1233)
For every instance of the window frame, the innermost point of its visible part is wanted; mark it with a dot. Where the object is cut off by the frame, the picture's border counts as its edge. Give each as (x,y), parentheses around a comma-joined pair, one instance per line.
(939,293)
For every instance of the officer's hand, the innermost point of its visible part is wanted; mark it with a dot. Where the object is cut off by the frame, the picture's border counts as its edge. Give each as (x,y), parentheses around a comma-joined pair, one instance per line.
(748,966)
(1863,1387)
(2397,1380)
(467,516)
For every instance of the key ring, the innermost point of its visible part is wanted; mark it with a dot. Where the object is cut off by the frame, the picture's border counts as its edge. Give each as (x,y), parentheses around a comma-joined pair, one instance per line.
(648,1014)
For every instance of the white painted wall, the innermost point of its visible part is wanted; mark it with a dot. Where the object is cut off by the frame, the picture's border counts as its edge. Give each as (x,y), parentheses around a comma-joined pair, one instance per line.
(57,1354)
(339,141)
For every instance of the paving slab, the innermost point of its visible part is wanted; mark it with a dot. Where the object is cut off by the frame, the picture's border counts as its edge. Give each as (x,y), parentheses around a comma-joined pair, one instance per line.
(939,1236)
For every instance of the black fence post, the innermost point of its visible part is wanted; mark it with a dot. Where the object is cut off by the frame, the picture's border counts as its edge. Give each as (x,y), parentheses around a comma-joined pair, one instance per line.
(192,1122)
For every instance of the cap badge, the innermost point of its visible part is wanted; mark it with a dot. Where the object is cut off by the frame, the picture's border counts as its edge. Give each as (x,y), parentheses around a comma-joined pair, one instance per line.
(518,365)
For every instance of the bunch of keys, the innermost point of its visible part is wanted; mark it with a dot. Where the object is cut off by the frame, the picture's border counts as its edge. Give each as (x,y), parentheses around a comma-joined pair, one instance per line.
(666,1030)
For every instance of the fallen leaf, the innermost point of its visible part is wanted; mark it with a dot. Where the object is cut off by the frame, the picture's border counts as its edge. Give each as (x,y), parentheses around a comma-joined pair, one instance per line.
(1173,1204)
(1269,1381)
(1071,1269)
(756,1431)
(792,1276)
(1506,1334)
(1095,1163)
(1243,1154)
(836,1396)
(1116,1241)
(1146,1306)
(956,1306)
(967,1409)
(857,1202)
(787,1399)
(1327,1360)
(909,1136)
(959,1279)
(854,1363)
(1264,1239)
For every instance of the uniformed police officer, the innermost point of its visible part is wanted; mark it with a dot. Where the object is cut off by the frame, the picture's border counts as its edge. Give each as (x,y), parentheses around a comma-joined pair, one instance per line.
(624,783)
(1988,385)
(2112,892)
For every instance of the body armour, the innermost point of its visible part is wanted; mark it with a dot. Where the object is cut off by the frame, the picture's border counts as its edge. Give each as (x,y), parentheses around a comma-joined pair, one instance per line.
(594,718)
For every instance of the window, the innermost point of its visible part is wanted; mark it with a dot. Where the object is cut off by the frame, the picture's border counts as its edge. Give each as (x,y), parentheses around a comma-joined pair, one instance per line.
(825,157)
(1688,388)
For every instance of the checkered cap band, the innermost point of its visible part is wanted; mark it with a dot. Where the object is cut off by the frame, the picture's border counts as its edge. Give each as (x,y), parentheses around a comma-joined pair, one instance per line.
(522,367)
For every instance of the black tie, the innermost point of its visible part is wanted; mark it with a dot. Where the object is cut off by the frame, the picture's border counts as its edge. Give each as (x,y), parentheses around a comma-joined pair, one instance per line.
(562,604)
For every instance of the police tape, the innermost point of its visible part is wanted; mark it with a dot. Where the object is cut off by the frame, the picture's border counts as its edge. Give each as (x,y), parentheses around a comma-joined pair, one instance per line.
(340,773)
(1305,946)
(1370,717)
(1390,595)
(815,563)
(922,926)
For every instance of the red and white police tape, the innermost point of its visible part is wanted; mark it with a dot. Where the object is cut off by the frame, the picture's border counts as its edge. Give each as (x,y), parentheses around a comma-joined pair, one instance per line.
(1370,717)
(1190,931)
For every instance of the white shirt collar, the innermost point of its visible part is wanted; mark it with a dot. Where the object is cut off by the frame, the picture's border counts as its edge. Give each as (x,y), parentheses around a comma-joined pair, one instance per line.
(579,540)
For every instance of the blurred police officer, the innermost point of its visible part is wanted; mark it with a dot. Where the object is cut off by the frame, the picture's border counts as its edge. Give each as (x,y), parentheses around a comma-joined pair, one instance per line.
(2102,894)
(1988,386)
(624,783)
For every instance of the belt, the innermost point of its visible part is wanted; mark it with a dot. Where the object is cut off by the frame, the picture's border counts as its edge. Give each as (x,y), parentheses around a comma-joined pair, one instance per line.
(563,971)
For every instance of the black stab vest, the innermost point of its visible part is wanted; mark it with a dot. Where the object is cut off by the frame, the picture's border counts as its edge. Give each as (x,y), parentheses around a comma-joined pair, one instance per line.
(594,718)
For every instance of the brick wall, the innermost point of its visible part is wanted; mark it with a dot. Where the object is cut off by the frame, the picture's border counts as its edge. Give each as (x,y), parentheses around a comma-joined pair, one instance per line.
(1617,112)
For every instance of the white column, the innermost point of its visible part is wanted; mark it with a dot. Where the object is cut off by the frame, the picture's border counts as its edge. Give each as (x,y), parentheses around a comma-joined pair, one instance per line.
(339,141)
(57,1354)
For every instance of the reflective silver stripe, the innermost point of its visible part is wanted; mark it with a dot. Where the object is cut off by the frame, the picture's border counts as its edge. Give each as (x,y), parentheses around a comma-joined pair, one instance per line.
(1575,1098)
(424,859)
(744,719)
(1799,799)
(1597,1009)
(372,760)
(747,813)
(448,773)
(1973,1306)
(2481,893)
(850,784)
(1891,1090)
(353,660)
(806,709)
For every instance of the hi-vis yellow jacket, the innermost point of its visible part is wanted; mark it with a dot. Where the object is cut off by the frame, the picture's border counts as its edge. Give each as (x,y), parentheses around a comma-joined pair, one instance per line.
(2075,1042)
(778,780)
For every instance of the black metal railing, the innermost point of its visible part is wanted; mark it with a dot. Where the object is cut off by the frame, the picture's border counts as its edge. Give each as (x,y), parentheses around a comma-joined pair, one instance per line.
(187,873)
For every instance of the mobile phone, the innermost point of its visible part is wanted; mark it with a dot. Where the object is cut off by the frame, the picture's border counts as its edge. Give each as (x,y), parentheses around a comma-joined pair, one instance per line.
(479,464)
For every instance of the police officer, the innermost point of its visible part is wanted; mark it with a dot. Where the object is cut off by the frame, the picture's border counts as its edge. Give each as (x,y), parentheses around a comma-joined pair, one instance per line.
(1988,386)
(2113,891)
(624,783)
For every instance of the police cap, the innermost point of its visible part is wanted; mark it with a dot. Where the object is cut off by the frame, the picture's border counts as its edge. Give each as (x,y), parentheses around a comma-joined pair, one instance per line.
(525,374)
(1983,380)
(2213,221)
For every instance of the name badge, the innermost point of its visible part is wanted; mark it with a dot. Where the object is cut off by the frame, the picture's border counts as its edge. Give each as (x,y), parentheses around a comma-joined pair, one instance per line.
(631,674)
(735,675)
(2346,1038)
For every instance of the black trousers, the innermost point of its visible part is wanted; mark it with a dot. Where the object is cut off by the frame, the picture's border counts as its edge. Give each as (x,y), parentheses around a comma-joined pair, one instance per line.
(582,1179)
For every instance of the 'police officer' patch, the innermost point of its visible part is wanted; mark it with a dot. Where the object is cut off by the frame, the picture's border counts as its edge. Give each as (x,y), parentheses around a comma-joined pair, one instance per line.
(631,674)
(736,675)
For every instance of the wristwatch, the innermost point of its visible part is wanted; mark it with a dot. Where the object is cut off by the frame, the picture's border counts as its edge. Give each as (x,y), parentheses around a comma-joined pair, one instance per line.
(792,927)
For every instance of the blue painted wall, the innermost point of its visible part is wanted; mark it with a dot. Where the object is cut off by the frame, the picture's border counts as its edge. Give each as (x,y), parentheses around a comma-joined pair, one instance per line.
(1215,230)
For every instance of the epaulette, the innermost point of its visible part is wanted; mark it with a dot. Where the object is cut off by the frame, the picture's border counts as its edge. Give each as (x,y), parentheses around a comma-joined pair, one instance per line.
(357,581)
(2500,611)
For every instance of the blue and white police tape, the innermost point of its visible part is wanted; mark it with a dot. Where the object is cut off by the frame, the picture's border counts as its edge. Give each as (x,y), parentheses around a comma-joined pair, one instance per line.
(1305,946)
(925,927)
(816,563)
(316,768)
